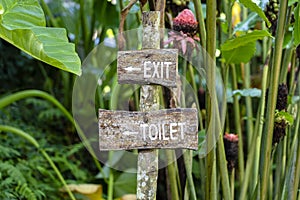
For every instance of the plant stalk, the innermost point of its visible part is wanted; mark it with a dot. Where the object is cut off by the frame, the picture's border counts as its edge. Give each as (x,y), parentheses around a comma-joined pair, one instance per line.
(253,157)
(272,98)
(200,19)
(188,166)
(250,131)
(211,189)
(172,175)
(223,170)
(237,120)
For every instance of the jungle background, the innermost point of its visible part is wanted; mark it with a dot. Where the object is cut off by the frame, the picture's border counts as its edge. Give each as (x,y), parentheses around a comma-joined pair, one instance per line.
(254,45)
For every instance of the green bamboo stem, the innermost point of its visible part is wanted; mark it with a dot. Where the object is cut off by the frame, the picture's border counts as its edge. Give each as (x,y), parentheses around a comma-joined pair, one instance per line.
(223,170)
(278,179)
(194,85)
(272,98)
(30,139)
(84,26)
(211,189)
(237,120)
(200,19)
(214,185)
(247,85)
(110,188)
(49,13)
(172,175)
(289,175)
(187,156)
(232,183)
(297,175)
(5,101)
(251,172)
(297,170)
(285,64)
(270,186)
(292,85)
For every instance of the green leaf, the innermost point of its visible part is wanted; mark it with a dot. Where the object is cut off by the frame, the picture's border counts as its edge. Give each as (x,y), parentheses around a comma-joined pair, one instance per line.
(291,2)
(252,92)
(282,115)
(22,24)
(248,23)
(255,8)
(240,54)
(297,26)
(242,48)
(125,184)
(244,39)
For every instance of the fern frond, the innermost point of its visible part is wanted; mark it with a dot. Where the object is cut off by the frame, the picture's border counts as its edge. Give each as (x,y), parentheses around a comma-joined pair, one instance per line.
(25,192)
(12,171)
(74,149)
(50,114)
(7,152)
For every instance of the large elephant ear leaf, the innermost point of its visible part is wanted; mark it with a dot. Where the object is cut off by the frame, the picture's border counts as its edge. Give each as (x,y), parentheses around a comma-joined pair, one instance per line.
(22,23)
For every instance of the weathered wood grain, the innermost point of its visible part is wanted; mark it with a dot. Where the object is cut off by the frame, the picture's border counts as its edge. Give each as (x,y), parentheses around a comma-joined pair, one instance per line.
(167,129)
(148,159)
(150,66)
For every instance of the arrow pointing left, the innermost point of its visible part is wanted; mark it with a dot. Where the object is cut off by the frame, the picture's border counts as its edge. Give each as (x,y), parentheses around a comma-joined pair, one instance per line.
(130,68)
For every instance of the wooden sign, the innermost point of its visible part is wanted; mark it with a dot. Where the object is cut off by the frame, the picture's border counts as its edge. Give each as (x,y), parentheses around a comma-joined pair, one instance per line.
(151,66)
(171,128)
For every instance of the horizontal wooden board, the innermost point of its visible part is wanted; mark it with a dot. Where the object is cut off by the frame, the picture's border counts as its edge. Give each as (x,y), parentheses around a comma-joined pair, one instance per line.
(162,129)
(149,66)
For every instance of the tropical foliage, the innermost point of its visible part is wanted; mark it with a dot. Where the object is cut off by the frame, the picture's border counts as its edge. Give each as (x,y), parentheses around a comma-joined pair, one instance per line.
(254,45)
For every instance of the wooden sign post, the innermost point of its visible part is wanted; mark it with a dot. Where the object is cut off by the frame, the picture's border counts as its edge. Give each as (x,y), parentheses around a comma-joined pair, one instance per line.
(148,129)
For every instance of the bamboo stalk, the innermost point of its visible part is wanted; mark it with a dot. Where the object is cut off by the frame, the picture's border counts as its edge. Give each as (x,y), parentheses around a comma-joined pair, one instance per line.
(253,157)
(223,170)
(297,170)
(247,85)
(172,175)
(272,98)
(238,124)
(211,189)
(200,19)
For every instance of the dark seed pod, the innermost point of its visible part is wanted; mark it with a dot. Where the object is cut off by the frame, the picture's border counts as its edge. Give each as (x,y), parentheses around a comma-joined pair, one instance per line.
(282,97)
(271,12)
(298,51)
(279,131)
(231,150)
(174,8)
